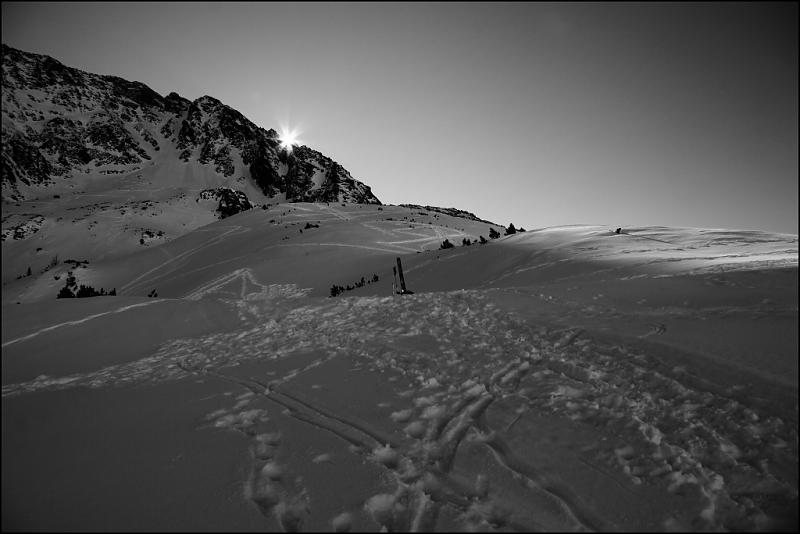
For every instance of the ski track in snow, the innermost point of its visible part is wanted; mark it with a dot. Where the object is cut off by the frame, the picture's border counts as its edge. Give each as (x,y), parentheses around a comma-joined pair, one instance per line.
(336,213)
(120,221)
(243,289)
(135,283)
(670,435)
(401,229)
(72,323)
(347,245)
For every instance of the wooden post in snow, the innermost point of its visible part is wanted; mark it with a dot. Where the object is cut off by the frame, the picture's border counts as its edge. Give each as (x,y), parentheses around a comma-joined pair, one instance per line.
(402,280)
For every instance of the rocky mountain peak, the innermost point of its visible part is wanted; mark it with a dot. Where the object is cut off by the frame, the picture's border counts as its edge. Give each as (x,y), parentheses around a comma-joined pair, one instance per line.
(176,104)
(60,123)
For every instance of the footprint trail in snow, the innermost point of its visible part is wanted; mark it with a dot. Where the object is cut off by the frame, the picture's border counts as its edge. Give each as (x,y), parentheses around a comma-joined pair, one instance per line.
(461,406)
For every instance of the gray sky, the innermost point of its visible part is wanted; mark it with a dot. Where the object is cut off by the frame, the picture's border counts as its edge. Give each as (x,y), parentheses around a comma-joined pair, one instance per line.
(539,114)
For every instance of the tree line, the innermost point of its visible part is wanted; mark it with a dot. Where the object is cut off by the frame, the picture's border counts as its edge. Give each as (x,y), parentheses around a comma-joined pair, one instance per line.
(338,290)
(493,234)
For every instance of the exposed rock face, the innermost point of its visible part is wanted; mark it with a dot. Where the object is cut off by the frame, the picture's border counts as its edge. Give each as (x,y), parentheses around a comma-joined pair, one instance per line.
(23,230)
(230,200)
(59,122)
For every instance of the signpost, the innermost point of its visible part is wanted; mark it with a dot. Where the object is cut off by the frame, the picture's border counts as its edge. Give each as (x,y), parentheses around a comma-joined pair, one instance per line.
(403,290)
(399,289)
(402,280)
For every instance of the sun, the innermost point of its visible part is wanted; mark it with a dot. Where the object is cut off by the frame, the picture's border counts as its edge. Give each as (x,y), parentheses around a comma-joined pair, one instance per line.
(288,139)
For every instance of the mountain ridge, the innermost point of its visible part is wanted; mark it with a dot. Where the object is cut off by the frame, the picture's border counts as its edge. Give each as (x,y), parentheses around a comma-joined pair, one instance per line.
(59,122)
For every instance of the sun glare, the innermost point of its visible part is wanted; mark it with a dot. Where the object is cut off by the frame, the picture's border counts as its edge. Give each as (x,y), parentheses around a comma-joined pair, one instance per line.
(288,139)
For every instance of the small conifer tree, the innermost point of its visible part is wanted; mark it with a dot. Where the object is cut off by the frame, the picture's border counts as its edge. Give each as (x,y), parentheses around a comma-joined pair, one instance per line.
(85,291)
(65,293)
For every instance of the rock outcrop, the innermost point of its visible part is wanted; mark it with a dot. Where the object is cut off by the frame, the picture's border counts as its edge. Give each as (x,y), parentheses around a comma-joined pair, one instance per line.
(230,200)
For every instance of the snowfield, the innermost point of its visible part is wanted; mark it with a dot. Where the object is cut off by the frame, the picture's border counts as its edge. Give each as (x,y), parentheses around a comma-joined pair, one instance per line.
(566,378)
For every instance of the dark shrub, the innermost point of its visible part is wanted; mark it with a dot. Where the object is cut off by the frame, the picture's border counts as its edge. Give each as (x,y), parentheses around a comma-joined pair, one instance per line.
(89,291)
(65,293)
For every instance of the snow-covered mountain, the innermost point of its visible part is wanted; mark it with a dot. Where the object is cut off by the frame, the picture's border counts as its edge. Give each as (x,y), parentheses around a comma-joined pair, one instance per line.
(96,167)
(262,372)
(62,126)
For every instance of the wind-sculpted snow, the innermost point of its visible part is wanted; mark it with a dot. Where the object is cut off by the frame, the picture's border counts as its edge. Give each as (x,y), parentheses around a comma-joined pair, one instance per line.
(461,407)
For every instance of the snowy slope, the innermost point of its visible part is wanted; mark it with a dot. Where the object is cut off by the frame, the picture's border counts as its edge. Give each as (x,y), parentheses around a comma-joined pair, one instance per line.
(566,378)
(99,166)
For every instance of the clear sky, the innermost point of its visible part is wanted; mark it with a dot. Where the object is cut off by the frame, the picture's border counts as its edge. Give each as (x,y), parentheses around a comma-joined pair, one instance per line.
(540,114)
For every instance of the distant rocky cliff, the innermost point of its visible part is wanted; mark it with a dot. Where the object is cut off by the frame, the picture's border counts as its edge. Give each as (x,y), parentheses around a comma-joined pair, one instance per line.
(59,123)
(230,201)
